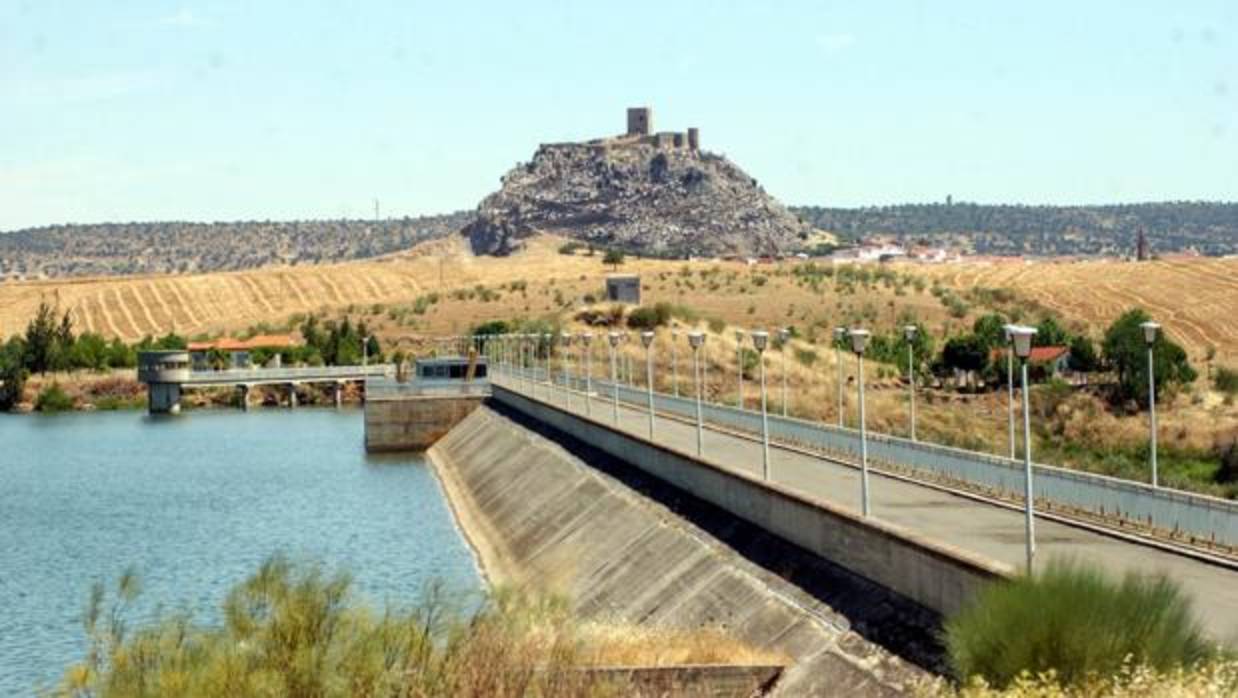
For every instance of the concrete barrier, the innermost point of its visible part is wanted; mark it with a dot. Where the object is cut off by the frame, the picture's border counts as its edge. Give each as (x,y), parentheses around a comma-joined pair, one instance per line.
(932,574)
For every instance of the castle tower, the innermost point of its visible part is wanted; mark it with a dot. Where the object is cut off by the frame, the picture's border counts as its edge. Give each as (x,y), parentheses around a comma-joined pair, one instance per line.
(640,121)
(694,138)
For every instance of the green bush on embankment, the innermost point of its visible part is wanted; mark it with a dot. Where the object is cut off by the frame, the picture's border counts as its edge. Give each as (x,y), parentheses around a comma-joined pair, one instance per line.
(1075,621)
(53,398)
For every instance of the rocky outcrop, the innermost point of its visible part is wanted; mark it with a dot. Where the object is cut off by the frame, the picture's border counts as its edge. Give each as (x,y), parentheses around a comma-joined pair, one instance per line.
(636,196)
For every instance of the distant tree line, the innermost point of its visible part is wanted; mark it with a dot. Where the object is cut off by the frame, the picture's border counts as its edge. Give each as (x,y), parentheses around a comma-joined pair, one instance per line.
(179,246)
(1209,228)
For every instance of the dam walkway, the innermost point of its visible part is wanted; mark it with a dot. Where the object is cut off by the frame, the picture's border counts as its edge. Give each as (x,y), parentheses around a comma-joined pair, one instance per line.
(984,527)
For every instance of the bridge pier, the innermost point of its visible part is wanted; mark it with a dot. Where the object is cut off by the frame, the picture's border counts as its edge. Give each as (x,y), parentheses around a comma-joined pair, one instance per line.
(164,398)
(337,394)
(243,389)
(292,395)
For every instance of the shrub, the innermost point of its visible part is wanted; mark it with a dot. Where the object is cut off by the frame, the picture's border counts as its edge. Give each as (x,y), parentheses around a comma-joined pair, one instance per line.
(1226,380)
(716,325)
(1075,621)
(650,317)
(298,631)
(53,398)
(570,247)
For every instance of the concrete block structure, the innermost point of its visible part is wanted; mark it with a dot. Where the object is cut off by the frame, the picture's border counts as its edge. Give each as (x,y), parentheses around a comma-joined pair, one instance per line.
(640,121)
(623,288)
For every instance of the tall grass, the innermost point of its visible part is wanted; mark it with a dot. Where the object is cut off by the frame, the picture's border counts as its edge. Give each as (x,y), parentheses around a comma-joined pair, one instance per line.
(1073,620)
(298,632)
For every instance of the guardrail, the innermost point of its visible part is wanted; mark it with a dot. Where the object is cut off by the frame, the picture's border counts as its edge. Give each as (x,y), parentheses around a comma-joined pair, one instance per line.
(1181,513)
(274,375)
(379,390)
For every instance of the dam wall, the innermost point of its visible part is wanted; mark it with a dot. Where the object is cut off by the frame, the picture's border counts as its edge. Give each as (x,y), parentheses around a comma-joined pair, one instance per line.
(413,423)
(930,573)
(539,514)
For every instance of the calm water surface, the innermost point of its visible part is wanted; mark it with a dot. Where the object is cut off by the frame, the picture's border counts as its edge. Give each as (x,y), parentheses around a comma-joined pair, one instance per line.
(195,503)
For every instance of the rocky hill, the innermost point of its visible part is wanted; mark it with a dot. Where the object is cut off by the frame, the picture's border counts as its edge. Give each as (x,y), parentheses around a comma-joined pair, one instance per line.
(643,197)
(176,246)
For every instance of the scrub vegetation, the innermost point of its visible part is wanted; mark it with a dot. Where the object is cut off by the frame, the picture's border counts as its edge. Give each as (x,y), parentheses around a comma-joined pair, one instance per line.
(297,631)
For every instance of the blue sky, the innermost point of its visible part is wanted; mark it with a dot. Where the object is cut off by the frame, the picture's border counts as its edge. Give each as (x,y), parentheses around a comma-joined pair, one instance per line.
(252,110)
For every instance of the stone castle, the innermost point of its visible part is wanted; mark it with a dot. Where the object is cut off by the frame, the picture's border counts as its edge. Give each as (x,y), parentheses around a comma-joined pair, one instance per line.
(640,132)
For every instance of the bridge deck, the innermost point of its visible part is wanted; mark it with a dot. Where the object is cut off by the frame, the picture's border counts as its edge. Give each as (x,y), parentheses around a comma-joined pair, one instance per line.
(965,522)
(269,376)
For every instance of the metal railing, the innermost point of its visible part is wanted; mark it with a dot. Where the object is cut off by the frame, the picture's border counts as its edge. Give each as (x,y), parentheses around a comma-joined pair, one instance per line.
(1181,513)
(290,375)
(424,387)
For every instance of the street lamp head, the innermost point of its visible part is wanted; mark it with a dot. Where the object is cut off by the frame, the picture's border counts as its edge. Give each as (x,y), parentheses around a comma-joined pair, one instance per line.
(739,335)
(910,331)
(613,338)
(1022,337)
(839,333)
(696,339)
(1006,332)
(646,338)
(587,338)
(1150,329)
(859,340)
(675,333)
(783,335)
(760,338)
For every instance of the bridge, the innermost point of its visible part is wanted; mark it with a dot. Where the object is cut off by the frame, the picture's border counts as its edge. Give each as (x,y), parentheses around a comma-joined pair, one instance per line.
(168,373)
(942,521)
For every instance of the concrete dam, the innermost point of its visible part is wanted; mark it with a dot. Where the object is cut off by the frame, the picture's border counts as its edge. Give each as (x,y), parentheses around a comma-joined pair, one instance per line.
(564,490)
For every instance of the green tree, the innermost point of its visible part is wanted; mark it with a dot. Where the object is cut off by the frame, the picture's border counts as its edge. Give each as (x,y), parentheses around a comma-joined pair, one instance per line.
(1126,352)
(1083,356)
(12,372)
(1050,334)
(614,258)
(967,353)
(990,330)
(42,346)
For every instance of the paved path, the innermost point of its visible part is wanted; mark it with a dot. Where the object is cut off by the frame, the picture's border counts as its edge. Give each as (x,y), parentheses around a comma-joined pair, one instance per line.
(994,531)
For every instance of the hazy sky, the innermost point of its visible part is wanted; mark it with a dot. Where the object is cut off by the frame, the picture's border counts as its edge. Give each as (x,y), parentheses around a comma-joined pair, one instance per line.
(251,110)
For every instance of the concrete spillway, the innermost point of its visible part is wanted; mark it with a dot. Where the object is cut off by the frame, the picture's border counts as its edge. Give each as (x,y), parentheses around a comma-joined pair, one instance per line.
(566,521)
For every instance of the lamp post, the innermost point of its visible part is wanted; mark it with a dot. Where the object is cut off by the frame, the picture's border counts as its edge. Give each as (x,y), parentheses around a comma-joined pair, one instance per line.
(1150,330)
(909,332)
(696,339)
(614,340)
(1009,330)
(1022,339)
(646,338)
(760,339)
(586,338)
(627,358)
(548,339)
(739,366)
(784,335)
(859,340)
(566,369)
(675,358)
(840,333)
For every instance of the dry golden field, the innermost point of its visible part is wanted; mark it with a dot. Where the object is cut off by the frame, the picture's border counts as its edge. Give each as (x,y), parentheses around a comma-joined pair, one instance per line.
(1196,299)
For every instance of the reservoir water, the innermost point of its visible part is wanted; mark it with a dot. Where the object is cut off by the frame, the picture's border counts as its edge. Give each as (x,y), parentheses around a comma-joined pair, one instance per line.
(194,504)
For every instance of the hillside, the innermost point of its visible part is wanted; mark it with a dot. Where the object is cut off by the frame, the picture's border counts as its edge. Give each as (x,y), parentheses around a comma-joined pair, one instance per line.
(636,196)
(176,246)
(1208,228)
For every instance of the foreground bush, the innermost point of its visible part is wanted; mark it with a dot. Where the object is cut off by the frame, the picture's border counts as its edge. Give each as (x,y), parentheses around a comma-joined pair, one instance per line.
(1072,620)
(53,398)
(295,631)
(1217,679)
